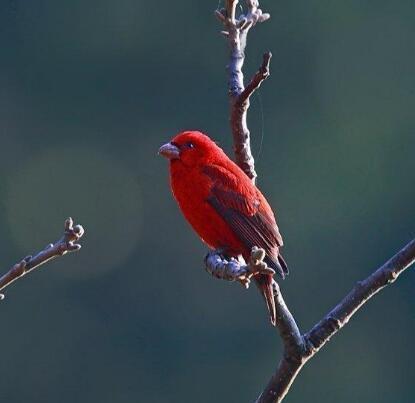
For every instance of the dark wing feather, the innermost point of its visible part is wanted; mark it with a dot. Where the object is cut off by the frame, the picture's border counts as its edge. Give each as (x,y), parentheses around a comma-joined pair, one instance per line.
(250,224)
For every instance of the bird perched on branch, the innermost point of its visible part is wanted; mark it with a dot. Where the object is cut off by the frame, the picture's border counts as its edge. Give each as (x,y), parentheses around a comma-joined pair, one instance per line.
(223,206)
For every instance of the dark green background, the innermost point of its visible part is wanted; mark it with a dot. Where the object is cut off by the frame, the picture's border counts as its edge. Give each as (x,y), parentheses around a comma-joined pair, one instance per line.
(88,92)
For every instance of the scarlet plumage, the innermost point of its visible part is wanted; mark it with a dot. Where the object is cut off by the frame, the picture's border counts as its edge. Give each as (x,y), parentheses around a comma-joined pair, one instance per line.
(222,204)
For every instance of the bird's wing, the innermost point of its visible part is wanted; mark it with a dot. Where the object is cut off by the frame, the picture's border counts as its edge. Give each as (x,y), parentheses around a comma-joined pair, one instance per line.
(249,216)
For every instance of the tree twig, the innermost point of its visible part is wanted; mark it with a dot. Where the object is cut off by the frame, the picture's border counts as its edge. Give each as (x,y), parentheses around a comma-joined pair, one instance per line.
(256,81)
(236,32)
(68,243)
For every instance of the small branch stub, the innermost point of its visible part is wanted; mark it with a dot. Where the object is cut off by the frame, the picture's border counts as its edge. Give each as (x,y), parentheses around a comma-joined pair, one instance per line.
(68,243)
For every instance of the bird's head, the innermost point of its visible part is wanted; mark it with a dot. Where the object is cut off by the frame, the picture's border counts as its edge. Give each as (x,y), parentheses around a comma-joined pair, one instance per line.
(191,148)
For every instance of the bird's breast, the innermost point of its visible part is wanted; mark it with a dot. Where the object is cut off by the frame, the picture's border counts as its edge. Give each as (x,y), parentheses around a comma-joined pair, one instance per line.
(191,190)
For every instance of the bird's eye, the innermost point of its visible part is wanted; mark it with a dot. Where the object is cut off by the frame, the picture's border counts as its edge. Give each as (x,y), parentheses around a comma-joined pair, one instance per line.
(190,145)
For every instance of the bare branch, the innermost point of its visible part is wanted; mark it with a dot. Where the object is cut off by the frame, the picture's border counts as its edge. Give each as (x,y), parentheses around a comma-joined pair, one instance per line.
(68,243)
(287,327)
(361,293)
(294,358)
(236,31)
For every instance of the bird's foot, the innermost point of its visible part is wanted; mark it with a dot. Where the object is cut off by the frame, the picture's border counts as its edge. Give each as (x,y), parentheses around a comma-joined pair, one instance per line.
(225,268)
(232,269)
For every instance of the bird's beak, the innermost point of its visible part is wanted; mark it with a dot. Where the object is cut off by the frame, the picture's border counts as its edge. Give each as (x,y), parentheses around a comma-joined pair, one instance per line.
(169,151)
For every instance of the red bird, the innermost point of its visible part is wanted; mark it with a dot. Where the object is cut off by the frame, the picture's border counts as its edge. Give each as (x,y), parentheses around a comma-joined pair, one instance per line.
(223,206)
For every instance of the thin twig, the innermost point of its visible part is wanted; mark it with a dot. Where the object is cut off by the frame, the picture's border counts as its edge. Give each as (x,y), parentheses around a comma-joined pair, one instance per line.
(68,243)
(236,31)
(256,81)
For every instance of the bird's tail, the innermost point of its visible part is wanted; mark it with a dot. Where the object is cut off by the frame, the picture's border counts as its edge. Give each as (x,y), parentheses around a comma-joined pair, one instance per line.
(264,283)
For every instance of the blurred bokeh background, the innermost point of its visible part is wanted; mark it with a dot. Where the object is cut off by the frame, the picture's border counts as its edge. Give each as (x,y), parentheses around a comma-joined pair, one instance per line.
(88,92)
